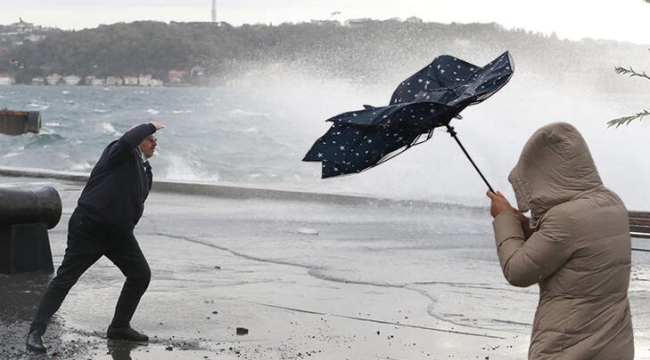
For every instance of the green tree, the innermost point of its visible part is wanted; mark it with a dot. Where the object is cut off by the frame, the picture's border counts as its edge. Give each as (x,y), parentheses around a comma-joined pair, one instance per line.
(640,115)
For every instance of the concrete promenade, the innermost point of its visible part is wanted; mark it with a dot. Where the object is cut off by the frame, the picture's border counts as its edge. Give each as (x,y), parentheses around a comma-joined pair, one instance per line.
(208,301)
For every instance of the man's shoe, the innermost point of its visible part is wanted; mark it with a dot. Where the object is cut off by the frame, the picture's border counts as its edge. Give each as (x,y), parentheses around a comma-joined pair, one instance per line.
(34,342)
(125,333)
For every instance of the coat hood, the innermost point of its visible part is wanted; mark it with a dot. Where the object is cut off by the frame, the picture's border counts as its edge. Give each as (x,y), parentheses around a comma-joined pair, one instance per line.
(555,165)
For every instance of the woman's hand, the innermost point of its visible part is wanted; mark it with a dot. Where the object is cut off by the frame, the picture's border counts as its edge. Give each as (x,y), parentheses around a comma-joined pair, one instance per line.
(499,203)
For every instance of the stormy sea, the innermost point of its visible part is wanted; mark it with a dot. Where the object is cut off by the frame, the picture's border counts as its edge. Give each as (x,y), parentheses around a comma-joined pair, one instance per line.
(256,132)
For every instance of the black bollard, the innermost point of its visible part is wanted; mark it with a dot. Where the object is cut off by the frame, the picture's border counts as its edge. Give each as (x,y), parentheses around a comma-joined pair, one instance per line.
(19,122)
(25,217)
(29,206)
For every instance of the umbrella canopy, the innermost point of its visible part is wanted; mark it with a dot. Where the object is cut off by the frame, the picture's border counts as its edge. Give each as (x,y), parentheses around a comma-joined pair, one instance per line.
(430,98)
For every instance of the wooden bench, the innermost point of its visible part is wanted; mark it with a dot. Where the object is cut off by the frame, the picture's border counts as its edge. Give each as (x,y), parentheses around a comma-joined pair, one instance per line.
(639,224)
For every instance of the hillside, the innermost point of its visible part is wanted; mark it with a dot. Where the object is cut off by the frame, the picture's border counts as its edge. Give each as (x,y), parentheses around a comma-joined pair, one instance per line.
(364,51)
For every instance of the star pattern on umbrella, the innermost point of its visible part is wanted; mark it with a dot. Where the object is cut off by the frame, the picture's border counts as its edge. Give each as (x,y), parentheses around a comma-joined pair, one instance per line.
(432,97)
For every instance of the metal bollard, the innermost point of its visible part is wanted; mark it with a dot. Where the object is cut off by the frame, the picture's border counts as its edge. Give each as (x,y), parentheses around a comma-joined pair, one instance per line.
(28,206)
(25,217)
(19,122)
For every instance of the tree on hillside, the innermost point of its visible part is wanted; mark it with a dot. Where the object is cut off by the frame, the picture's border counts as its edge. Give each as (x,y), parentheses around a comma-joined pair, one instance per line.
(640,115)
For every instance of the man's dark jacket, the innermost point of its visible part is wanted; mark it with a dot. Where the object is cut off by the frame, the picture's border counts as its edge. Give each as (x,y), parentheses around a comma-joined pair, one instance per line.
(119,183)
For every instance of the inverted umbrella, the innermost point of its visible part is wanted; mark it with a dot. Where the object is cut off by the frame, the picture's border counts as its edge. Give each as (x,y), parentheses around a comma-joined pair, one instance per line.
(430,98)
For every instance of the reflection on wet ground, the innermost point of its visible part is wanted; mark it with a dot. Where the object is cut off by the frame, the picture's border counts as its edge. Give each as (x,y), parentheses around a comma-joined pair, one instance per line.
(124,350)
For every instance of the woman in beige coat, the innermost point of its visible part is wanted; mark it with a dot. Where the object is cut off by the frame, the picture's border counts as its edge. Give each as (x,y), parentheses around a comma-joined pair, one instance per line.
(576,246)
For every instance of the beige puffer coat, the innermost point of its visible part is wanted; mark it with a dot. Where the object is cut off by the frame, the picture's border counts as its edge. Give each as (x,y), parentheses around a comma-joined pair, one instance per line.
(579,253)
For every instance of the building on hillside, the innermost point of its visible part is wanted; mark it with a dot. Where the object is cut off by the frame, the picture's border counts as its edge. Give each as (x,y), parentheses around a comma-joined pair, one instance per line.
(23,31)
(354,23)
(18,33)
(34,37)
(71,80)
(155,83)
(23,27)
(6,79)
(144,80)
(130,81)
(325,22)
(114,81)
(92,80)
(176,76)
(53,79)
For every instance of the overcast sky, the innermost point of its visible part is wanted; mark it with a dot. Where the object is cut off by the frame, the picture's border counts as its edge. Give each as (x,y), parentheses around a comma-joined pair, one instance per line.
(625,20)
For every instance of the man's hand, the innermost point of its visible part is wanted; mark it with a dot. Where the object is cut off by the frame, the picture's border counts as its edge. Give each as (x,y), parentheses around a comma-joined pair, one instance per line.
(499,203)
(157,125)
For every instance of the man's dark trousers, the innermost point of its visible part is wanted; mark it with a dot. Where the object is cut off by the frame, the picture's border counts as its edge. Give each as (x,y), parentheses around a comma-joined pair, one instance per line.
(88,241)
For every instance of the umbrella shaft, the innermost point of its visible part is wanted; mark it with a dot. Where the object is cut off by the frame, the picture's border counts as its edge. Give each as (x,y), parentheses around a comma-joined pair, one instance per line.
(451,131)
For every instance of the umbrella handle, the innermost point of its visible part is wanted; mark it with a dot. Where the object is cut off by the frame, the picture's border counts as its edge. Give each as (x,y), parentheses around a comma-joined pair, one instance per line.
(452,132)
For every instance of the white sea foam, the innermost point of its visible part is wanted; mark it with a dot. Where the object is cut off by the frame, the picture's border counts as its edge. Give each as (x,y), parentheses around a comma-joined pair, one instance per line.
(183,169)
(245,113)
(81,167)
(308,231)
(107,128)
(37,105)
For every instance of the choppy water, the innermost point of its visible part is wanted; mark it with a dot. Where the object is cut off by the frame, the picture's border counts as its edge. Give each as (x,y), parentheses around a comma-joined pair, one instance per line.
(257,133)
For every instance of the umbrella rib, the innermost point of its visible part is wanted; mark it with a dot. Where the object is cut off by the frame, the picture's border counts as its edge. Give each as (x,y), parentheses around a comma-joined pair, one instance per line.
(414,143)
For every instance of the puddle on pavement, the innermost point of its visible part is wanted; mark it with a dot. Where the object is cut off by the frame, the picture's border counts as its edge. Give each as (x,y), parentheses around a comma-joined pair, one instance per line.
(120,350)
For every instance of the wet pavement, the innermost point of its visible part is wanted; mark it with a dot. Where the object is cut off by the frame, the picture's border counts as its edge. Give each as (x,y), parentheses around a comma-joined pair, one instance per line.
(211,301)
